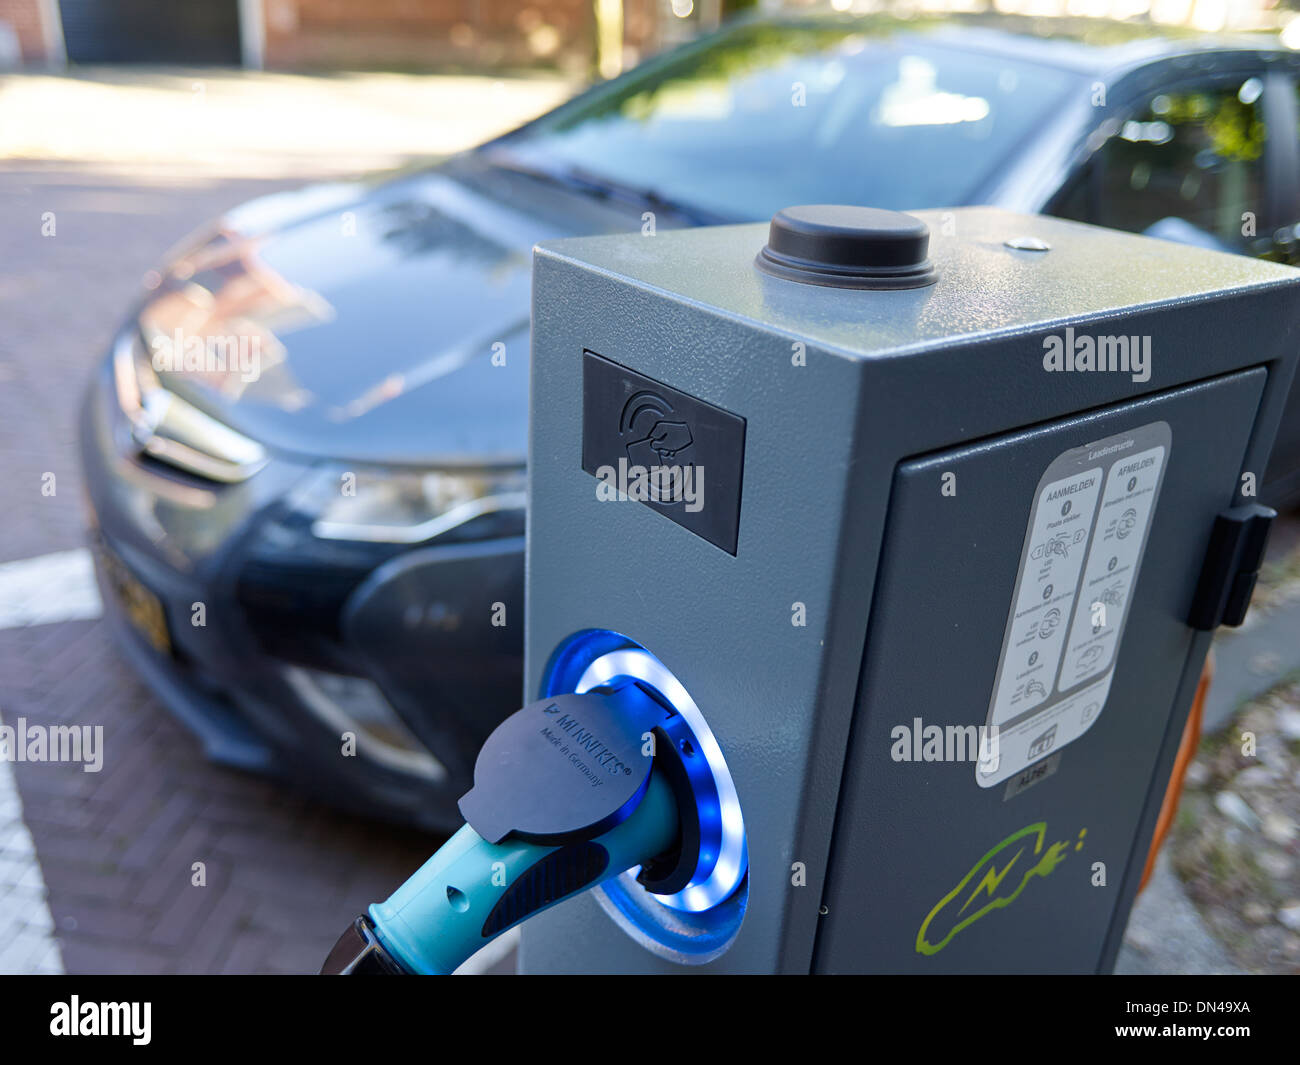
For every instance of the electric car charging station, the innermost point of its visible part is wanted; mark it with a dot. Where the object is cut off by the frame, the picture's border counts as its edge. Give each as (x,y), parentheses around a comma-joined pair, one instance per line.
(873,560)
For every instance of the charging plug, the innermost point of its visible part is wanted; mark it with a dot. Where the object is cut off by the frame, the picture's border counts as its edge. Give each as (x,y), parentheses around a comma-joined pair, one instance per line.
(567,794)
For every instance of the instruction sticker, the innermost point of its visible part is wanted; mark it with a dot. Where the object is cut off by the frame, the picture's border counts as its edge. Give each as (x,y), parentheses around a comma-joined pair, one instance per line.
(1078,567)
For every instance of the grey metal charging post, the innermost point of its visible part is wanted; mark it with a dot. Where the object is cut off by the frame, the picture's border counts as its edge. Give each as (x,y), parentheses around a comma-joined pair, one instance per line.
(922,506)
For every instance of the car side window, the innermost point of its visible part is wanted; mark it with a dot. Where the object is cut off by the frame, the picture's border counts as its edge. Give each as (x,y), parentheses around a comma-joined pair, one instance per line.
(1187,165)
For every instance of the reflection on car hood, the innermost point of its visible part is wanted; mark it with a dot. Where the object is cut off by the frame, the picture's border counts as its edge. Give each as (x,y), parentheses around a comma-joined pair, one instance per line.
(386,324)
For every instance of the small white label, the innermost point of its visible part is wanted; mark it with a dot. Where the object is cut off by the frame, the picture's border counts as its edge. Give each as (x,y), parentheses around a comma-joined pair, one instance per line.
(1112,566)
(1078,568)
(1045,593)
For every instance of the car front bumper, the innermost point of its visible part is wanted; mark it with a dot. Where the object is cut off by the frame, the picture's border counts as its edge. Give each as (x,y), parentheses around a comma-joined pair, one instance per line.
(255,648)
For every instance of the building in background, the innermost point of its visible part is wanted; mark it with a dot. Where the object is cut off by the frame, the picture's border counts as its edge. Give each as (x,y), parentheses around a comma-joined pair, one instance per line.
(573,35)
(600,37)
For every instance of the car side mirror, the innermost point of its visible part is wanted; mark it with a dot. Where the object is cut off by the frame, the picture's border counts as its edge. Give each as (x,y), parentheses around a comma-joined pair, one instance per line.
(1285,245)
(1181,231)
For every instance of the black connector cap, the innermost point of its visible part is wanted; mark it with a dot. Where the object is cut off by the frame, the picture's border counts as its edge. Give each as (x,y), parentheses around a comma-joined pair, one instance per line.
(564,769)
(848,247)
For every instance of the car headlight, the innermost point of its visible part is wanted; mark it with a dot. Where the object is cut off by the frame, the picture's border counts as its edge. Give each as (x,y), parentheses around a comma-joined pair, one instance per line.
(172,430)
(411,506)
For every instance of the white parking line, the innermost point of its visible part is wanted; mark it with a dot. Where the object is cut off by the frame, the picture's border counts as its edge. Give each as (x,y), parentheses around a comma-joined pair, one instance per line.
(34,591)
(27,943)
(48,589)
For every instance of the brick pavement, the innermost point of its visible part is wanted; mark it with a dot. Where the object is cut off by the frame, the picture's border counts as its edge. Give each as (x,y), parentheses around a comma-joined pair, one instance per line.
(117,847)
(27,941)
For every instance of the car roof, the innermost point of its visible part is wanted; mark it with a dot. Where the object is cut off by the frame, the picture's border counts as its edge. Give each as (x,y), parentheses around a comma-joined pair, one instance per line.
(1100,48)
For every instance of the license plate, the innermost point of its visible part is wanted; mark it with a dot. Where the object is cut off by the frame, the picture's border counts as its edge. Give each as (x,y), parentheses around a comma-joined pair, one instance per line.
(143,609)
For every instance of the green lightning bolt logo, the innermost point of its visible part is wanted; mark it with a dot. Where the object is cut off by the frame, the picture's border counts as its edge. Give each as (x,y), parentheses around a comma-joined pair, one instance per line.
(988,875)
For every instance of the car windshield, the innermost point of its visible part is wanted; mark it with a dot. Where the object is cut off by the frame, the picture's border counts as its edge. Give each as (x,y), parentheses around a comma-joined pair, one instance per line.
(770,114)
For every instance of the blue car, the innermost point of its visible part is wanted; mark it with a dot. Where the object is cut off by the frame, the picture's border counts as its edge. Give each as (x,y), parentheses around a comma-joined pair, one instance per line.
(305,451)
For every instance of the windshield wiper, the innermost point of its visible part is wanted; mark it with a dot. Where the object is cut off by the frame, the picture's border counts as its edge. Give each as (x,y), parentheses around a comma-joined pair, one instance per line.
(579,179)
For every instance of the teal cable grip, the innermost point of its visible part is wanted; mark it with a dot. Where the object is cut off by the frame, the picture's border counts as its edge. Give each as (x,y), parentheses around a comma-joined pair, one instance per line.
(471,890)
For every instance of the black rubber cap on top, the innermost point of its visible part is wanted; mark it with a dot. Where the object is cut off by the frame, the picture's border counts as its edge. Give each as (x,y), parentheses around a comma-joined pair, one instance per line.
(848,247)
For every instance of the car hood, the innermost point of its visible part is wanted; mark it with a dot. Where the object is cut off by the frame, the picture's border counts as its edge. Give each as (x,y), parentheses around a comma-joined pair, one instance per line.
(373,324)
